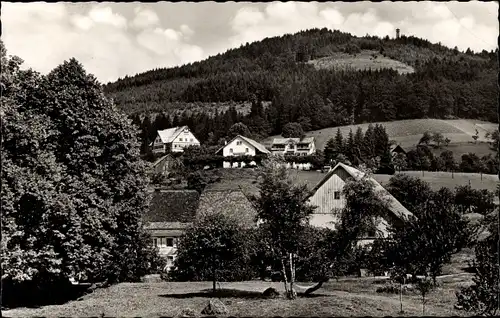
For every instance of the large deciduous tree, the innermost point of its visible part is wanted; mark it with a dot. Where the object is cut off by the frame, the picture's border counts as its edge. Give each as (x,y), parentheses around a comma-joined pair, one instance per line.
(74,187)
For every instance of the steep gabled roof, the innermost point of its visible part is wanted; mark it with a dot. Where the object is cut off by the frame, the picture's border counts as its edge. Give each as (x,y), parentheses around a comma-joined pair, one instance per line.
(283,141)
(173,206)
(166,157)
(168,135)
(397,148)
(394,205)
(252,142)
(232,203)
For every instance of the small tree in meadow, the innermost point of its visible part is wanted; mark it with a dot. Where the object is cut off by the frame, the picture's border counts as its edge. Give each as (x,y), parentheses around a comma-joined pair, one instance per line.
(282,206)
(438,139)
(400,162)
(212,249)
(425,139)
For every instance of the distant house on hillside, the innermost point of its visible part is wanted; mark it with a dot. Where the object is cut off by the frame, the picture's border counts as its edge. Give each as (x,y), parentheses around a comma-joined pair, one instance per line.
(170,213)
(395,149)
(233,203)
(241,146)
(174,140)
(328,197)
(293,146)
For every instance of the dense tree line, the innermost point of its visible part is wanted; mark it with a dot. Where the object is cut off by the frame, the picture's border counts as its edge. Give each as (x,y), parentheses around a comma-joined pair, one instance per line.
(370,148)
(446,84)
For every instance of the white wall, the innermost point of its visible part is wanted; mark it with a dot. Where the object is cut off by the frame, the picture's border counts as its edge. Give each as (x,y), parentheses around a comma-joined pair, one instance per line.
(239,147)
(185,139)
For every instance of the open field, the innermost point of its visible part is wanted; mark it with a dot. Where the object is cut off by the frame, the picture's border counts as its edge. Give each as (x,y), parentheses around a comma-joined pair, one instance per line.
(345,297)
(360,61)
(407,133)
(247,178)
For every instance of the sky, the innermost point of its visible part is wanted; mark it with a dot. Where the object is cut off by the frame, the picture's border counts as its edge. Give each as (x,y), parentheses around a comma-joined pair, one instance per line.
(112,39)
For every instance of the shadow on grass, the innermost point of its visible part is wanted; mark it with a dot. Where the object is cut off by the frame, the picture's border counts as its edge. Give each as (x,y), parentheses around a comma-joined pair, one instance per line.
(231,293)
(220,293)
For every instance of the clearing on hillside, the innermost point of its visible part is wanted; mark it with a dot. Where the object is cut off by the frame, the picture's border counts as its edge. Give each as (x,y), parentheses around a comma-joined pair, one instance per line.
(408,132)
(367,59)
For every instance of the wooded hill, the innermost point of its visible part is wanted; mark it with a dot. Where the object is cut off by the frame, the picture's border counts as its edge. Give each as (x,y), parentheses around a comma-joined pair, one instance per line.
(446,83)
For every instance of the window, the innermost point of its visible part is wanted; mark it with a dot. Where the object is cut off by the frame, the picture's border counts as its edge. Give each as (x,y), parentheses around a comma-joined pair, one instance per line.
(238,142)
(231,150)
(170,242)
(247,150)
(180,139)
(155,242)
(191,140)
(175,146)
(336,195)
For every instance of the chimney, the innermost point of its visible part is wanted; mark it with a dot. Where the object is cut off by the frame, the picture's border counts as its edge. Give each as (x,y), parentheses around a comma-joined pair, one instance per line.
(397,33)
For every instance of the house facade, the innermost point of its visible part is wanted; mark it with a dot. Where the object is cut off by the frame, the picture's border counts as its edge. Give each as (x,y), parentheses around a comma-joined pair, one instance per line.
(329,200)
(241,146)
(171,212)
(293,146)
(174,140)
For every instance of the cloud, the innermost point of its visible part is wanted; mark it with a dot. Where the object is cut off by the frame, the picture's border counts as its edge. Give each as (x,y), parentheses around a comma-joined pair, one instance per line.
(432,21)
(46,34)
(104,15)
(114,40)
(145,18)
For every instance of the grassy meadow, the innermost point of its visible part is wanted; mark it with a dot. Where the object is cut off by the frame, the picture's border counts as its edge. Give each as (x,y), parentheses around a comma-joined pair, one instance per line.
(343,297)
(407,133)
(361,61)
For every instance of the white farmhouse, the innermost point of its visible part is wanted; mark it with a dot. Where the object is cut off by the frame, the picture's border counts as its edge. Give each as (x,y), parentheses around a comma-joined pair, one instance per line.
(174,140)
(328,198)
(293,146)
(241,146)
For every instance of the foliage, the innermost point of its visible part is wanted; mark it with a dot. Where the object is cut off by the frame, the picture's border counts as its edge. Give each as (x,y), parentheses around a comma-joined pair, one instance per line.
(470,200)
(74,188)
(282,207)
(438,139)
(410,191)
(400,161)
(426,138)
(212,249)
(424,286)
(292,130)
(196,181)
(238,129)
(482,297)
(424,245)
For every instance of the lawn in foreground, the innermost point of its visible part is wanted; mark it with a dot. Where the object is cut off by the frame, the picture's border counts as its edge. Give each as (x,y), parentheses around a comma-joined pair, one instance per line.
(345,297)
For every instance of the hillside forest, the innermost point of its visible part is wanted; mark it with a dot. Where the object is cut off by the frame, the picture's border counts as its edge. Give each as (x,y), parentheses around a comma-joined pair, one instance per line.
(274,77)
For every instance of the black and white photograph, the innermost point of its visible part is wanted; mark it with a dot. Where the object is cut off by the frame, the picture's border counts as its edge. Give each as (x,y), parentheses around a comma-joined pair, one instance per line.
(237,159)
